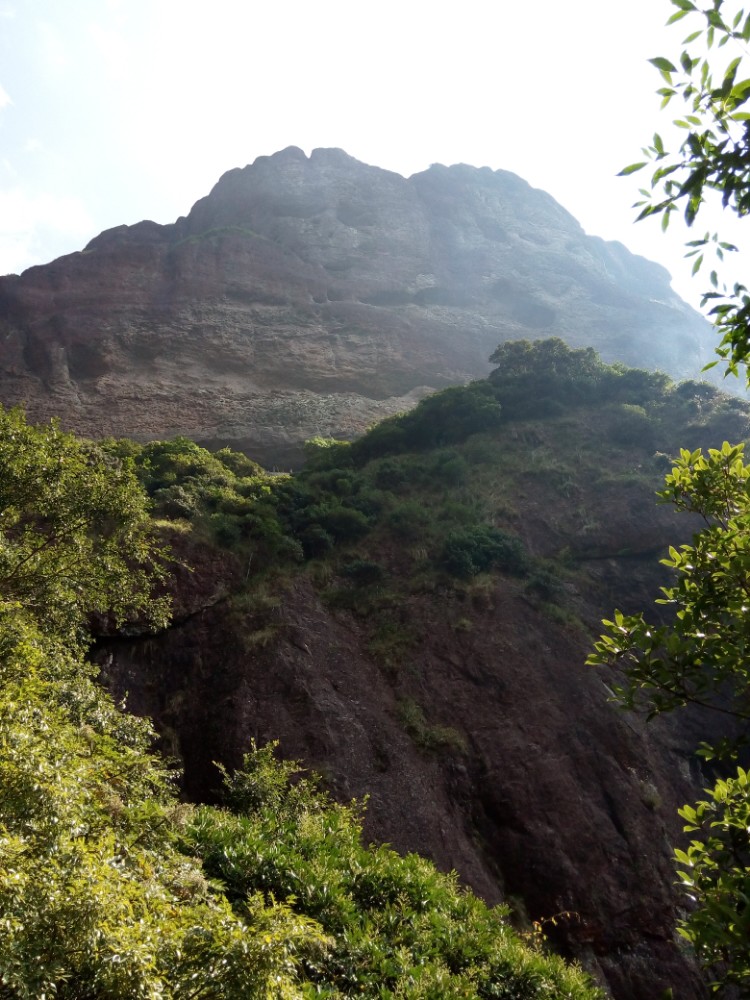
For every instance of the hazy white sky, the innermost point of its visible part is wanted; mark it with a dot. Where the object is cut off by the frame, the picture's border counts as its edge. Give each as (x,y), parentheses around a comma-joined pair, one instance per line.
(112,111)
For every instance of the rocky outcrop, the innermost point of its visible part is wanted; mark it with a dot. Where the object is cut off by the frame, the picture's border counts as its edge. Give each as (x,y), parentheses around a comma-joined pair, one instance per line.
(310,296)
(523,778)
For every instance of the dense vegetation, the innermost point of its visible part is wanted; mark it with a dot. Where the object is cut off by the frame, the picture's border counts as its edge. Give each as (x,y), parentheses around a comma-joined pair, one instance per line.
(112,887)
(420,479)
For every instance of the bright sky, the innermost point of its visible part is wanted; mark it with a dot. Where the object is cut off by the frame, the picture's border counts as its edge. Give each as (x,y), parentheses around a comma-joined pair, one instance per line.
(112,111)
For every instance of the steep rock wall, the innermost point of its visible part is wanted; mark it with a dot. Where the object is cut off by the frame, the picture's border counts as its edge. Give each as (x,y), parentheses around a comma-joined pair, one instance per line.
(315,295)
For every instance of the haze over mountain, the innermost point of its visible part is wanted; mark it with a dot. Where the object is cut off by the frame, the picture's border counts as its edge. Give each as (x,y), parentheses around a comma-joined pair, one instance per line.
(313,295)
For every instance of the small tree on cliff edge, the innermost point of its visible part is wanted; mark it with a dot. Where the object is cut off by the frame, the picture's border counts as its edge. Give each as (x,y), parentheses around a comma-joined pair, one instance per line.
(703,656)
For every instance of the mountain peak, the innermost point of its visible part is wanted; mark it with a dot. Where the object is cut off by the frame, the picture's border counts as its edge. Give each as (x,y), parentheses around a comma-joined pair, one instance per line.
(310,294)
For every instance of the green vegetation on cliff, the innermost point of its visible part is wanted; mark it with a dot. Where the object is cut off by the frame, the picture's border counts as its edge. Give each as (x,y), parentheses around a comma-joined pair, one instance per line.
(438,488)
(112,887)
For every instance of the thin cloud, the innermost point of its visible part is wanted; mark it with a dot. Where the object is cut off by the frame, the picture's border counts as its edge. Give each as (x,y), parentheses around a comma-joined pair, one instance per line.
(5,100)
(30,222)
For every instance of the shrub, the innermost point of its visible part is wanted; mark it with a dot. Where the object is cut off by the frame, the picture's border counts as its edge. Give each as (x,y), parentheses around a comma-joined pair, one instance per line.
(226,529)
(631,425)
(408,521)
(326,453)
(370,502)
(175,502)
(363,572)
(390,474)
(238,463)
(545,584)
(427,736)
(450,468)
(395,926)
(472,550)
(315,541)
(343,523)
(341,482)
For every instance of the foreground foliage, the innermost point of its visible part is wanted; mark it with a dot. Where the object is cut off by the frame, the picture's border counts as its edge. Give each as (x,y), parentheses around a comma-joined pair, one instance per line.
(701,657)
(711,76)
(112,888)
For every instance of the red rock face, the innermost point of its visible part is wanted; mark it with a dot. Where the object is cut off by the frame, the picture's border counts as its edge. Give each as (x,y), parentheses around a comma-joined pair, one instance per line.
(315,295)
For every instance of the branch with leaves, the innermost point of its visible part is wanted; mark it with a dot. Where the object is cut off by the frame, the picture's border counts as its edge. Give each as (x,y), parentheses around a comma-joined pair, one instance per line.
(702,657)
(713,157)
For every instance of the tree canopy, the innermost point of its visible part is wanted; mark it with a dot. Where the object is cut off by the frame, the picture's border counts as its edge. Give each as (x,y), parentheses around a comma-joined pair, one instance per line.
(75,532)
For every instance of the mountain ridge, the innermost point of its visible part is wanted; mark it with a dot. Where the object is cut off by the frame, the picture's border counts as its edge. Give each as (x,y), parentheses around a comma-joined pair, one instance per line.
(314,295)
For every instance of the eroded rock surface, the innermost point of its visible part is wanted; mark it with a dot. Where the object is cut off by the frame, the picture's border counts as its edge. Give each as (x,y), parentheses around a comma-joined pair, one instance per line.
(315,295)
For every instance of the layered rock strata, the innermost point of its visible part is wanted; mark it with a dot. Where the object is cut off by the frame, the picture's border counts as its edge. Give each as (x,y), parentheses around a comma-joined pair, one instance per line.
(315,295)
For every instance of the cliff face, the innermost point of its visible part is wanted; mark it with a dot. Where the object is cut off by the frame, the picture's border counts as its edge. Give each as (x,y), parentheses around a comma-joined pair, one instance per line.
(514,769)
(316,295)
(463,710)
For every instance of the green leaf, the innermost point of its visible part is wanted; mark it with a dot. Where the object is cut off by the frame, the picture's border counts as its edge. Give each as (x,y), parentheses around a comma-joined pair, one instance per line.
(631,169)
(729,76)
(645,212)
(664,65)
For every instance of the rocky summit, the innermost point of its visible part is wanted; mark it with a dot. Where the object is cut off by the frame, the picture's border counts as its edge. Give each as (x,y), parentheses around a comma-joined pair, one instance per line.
(315,295)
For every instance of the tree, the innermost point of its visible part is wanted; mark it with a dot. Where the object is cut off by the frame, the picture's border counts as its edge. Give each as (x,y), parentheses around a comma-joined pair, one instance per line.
(96,898)
(75,532)
(701,657)
(713,159)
